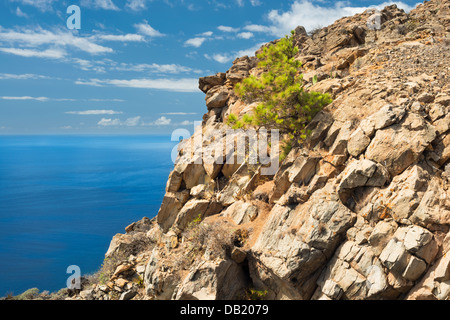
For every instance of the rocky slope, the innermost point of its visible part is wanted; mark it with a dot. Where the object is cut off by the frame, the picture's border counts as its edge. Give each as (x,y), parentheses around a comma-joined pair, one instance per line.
(361,211)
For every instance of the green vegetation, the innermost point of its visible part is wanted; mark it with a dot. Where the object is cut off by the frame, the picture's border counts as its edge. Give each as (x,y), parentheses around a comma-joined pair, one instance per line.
(253,294)
(283,103)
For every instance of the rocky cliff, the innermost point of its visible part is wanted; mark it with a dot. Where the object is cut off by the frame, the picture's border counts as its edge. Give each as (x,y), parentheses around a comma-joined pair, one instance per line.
(360,211)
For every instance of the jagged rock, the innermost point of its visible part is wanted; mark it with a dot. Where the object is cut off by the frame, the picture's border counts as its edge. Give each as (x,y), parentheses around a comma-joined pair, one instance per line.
(419,241)
(436,112)
(174,182)
(415,268)
(128,295)
(361,173)
(394,256)
(217,97)
(196,208)
(443,99)
(170,207)
(381,235)
(319,127)
(241,212)
(240,69)
(442,125)
(213,280)
(159,284)
(400,145)
(357,272)
(293,256)
(238,255)
(357,142)
(434,207)
(127,244)
(303,168)
(206,83)
(425,97)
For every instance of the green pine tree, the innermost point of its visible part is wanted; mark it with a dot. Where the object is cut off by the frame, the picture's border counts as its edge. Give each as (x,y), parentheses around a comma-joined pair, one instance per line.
(283,103)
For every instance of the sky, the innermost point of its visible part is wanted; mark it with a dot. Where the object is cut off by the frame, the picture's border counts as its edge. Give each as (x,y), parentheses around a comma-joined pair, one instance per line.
(133,65)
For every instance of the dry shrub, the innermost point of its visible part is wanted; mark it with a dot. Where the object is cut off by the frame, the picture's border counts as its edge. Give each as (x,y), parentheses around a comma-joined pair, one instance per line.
(214,238)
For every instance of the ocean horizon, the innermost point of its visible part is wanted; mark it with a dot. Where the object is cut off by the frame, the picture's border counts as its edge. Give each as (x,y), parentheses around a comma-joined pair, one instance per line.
(63,198)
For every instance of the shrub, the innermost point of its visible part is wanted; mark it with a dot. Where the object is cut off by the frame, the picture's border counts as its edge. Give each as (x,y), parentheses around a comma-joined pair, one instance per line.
(30,294)
(283,103)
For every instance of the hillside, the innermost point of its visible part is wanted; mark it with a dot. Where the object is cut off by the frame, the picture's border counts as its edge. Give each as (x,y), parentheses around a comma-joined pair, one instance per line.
(360,211)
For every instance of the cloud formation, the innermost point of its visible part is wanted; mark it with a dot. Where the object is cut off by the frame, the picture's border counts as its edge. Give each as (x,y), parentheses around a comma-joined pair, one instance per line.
(94,112)
(176,85)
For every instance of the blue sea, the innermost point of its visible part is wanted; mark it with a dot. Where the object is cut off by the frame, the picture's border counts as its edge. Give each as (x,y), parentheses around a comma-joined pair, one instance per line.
(63,198)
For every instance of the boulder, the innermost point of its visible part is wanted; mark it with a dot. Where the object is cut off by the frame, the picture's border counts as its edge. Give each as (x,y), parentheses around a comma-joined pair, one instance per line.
(217,97)
(206,83)
(170,207)
(241,212)
(303,168)
(213,280)
(357,142)
(400,145)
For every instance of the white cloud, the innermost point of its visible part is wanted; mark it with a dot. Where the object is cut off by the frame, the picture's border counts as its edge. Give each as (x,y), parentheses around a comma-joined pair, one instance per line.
(156,68)
(94,112)
(177,85)
(136,5)
(195,42)
(106,100)
(163,121)
(42,99)
(130,122)
(26,76)
(257,28)
(227,57)
(28,53)
(147,30)
(179,113)
(42,5)
(20,13)
(100,4)
(227,29)
(109,122)
(186,123)
(34,38)
(25,98)
(254,3)
(245,35)
(122,38)
(206,34)
(310,15)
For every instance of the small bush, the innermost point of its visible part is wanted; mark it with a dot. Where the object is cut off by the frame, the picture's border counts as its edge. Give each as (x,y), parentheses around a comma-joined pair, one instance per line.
(30,294)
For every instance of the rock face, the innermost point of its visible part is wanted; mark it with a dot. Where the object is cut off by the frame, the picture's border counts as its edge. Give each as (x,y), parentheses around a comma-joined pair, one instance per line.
(360,211)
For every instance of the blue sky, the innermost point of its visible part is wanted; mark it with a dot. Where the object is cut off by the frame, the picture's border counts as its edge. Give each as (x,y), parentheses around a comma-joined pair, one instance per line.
(134,65)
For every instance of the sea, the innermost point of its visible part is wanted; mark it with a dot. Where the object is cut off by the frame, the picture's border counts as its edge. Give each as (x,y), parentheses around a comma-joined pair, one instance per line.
(63,198)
